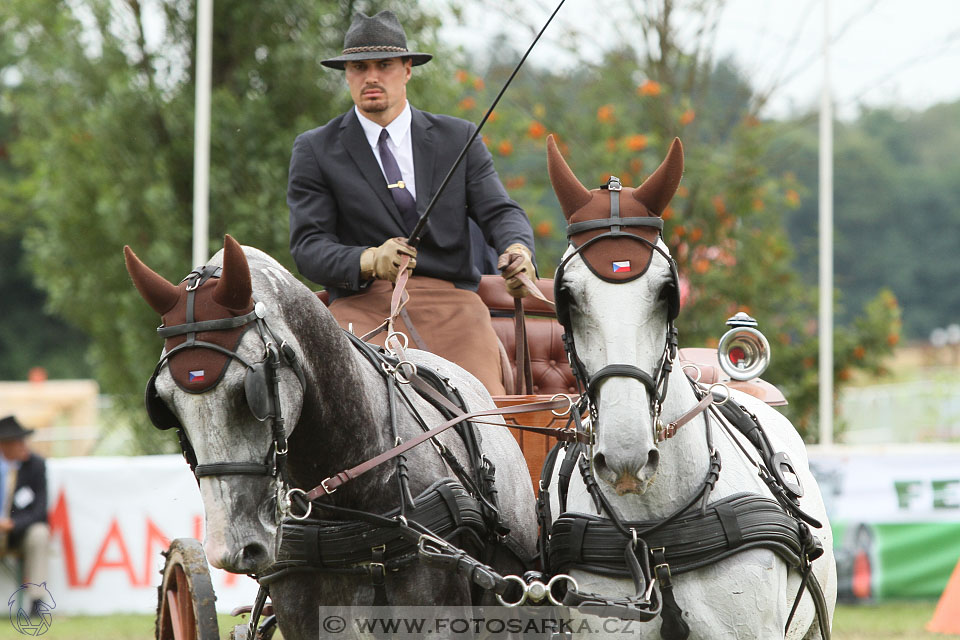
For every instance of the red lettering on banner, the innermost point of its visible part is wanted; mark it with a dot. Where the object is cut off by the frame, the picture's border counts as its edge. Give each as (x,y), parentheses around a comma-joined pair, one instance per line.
(154,535)
(59,519)
(123,562)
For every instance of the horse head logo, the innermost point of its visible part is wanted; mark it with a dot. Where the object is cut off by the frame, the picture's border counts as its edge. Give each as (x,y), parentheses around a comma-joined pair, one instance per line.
(37,621)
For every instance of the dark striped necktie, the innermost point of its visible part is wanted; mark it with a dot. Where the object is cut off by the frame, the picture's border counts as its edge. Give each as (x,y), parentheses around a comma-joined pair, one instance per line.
(405,202)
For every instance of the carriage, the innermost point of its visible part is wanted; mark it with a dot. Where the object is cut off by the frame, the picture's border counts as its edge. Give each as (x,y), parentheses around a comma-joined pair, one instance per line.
(744,536)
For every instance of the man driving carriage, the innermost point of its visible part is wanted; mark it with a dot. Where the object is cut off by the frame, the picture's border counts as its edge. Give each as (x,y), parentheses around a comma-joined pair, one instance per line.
(358,185)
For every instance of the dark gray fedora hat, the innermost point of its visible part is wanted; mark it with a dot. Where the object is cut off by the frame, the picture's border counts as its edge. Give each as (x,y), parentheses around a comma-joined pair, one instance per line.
(10,429)
(374,38)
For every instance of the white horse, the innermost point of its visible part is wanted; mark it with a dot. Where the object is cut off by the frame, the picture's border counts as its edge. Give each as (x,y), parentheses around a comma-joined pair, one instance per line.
(336,408)
(622,316)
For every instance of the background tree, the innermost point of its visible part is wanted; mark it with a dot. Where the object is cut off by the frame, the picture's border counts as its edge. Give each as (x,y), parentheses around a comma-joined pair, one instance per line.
(103,107)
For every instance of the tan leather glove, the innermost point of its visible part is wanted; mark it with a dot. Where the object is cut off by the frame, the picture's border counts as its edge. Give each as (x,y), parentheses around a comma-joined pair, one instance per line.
(514,261)
(383,262)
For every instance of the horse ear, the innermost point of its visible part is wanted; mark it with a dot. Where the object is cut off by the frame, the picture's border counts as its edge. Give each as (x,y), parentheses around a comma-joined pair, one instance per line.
(571,193)
(159,293)
(233,290)
(656,191)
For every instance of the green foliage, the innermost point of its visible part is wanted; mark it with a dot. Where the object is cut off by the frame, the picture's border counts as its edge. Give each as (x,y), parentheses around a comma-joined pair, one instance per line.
(895,204)
(725,226)
(104,147)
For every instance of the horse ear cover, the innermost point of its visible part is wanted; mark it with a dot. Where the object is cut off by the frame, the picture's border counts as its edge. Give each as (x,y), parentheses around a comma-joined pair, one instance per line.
(158,292)
(234,289)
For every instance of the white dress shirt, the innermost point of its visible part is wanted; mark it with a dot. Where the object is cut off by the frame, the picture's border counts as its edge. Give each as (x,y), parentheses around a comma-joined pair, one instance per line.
(398,141)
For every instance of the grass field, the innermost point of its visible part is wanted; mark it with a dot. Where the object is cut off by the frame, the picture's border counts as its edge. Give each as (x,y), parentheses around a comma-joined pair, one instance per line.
(890,621)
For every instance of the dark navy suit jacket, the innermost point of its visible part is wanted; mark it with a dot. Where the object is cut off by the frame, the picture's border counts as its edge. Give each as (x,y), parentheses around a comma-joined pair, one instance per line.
(340,204)
(33,474)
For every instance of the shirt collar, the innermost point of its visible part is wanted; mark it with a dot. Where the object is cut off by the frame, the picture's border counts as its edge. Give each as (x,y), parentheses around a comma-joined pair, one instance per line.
(397,129)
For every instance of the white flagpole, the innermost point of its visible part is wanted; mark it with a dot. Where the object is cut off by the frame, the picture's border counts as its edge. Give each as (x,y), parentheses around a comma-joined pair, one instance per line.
(201,133)
(826,241)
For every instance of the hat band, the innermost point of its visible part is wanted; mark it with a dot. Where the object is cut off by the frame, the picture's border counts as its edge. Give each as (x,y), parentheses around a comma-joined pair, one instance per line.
(374,48)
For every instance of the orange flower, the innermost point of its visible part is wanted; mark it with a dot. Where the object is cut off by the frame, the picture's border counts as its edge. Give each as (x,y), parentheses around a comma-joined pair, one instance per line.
(667,213)
(695,234)
(701,265)
(844,374)
(536,130)
(611,144)
(793,198)
(893,339)
(515,183)
(719,206)
(492,117)
(461,76)
(505,148)
(544,228)
(859,352)
(636,165)
(784,338)
(680,231)
(682,191)
(478,84)
(758,204)
(468,103)
(808,362)
(605,114)
(687,117)
(637,142)
(486,140)
(649,88)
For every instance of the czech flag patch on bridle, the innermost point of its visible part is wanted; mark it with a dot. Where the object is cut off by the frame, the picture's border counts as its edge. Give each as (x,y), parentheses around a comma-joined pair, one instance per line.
(621,266)
(196,376)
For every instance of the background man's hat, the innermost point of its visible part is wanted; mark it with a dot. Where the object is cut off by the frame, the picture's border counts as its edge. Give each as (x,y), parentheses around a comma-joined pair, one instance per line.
(374,38)
(10,429)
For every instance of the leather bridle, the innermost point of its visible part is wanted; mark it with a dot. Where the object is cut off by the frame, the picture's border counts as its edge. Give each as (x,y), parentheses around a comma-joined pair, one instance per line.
(655,383)
(261,382)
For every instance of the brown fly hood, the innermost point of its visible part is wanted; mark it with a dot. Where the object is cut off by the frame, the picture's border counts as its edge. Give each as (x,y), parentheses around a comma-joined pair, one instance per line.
(207,294)
(616,212)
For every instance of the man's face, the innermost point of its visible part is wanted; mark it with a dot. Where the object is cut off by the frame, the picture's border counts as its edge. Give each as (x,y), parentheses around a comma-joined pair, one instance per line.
(14,450)
(379,87)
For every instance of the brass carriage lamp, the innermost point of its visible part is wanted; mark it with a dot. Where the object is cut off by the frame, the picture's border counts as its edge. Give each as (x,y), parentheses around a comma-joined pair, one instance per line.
(743,352)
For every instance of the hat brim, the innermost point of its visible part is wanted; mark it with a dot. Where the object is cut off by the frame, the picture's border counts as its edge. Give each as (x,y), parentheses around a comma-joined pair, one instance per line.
(16,435)
(341,61)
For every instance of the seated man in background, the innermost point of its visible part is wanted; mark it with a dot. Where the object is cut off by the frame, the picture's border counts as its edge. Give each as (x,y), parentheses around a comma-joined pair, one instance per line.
(23,506)
(358,185)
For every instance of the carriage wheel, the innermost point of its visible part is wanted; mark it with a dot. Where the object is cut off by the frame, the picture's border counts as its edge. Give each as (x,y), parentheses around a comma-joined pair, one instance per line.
(185,607)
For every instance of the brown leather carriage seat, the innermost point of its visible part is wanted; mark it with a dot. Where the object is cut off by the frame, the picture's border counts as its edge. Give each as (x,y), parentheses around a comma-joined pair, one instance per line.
(551,371)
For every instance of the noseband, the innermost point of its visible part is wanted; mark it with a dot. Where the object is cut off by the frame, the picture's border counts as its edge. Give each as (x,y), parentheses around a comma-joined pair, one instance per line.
(655,384)
(261,382)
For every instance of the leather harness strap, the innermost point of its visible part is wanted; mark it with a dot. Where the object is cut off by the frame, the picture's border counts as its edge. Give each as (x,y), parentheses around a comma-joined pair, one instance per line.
(329,485)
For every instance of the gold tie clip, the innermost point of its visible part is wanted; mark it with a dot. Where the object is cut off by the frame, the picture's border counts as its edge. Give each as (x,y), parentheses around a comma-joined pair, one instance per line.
(401,185)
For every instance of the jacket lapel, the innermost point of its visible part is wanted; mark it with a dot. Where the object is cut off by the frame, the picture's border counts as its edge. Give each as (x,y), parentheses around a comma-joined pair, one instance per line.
(423,157)
(355,142)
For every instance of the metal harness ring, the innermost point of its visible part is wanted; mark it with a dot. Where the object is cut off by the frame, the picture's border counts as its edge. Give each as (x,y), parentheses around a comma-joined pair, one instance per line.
(560,576)
(694,366)
(523,594)
(566,411)
(725,388)
(289,504)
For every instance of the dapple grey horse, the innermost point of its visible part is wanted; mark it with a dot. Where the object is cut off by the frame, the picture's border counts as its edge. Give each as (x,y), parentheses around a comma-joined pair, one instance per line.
(336,419)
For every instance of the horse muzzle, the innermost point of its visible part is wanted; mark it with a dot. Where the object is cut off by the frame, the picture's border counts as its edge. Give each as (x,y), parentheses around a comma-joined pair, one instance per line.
(627,476)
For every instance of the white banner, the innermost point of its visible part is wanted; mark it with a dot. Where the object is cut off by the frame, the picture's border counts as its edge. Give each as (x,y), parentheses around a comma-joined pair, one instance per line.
(110,518)
(890,484)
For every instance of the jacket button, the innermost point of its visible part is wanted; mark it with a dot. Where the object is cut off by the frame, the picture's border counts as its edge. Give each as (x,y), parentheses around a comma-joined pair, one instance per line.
(553,363)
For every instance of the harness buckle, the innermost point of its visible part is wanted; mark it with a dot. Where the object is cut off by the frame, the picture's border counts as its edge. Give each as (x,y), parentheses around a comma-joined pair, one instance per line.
(613,184)
(328,490)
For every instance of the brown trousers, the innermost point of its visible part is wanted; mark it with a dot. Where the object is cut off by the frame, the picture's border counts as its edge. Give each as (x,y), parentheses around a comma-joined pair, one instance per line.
(449,322)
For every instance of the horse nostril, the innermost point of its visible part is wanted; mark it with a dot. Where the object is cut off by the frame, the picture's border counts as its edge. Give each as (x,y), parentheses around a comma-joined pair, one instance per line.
(253,554)
(599,461)
(653,460)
